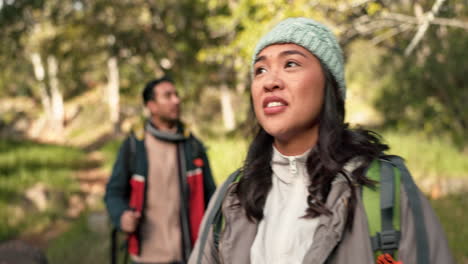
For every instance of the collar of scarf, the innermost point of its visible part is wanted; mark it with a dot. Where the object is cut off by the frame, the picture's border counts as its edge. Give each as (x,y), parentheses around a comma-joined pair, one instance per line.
(166,136)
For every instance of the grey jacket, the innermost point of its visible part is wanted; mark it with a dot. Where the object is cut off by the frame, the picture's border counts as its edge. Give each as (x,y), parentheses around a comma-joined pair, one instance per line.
(333,244)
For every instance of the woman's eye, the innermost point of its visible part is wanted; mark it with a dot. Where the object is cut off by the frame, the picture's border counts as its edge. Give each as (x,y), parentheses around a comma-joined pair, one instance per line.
(291,64)
(259,70)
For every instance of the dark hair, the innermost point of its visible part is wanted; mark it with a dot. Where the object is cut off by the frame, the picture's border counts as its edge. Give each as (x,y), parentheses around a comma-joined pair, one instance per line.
(148,91)
(337,144)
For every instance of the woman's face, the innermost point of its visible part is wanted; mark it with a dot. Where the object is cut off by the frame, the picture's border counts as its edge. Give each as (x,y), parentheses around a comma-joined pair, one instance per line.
(288,91)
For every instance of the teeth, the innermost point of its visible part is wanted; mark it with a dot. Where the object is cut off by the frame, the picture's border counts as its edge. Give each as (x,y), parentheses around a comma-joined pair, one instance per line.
(273,104)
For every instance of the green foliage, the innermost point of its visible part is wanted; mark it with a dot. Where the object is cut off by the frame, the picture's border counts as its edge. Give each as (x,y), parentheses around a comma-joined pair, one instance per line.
(425,91)
(238,26)
(24,164)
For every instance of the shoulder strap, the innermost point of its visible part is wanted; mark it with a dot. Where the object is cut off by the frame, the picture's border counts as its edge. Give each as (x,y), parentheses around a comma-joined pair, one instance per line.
(382,205)
(384,224)
(132,152)
(214,212)
(416,208)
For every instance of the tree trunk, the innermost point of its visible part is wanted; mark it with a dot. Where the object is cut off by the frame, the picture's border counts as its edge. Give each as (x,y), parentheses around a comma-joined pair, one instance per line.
(113,91)
(58,112)
(226,108)
(39,73)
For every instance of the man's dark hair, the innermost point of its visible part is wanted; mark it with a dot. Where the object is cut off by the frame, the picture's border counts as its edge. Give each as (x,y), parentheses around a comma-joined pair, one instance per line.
(148,91)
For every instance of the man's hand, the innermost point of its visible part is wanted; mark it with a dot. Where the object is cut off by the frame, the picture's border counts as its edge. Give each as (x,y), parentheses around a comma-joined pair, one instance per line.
(129,221)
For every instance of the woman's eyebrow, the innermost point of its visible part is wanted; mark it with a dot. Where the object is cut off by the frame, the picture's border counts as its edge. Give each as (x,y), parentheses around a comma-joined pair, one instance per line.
(261,58)
(282,54)
(292,52)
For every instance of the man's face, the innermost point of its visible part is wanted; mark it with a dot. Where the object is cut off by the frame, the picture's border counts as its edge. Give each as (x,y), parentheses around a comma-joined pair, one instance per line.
(166,103)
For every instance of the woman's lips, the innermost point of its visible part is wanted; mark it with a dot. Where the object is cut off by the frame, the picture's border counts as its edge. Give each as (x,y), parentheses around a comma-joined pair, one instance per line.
(274,105)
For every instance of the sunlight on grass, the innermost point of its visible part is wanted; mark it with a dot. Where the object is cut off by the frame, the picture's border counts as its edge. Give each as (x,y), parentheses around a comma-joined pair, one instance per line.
(428,158)
(226,155)
(452,211)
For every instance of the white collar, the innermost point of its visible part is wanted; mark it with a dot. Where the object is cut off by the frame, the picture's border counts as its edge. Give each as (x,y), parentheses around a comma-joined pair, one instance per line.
(286,167)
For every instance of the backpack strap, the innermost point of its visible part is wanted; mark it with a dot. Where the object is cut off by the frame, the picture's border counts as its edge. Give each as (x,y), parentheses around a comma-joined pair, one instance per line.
(132,152)
(214,213)
(384,224)
(416,208)
(218,221)
(382,206)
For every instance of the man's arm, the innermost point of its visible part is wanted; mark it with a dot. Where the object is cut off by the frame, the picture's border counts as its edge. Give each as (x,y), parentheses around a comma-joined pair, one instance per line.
(117,188)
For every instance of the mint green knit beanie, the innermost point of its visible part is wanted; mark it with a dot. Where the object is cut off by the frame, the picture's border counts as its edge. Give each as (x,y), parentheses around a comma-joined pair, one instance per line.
(313,36)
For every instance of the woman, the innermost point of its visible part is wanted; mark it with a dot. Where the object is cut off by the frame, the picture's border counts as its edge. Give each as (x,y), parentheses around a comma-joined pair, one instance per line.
(297,198)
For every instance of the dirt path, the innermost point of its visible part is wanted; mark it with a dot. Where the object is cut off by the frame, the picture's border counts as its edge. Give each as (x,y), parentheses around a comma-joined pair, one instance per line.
(92,182)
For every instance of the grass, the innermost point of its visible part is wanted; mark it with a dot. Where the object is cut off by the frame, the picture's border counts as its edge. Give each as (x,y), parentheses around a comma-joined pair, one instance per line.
(80,244)
(225,155)
(428,157)
(24,164)
(452,212)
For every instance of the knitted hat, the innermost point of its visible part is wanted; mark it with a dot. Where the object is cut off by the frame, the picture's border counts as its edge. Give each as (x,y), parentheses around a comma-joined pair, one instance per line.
(313,36)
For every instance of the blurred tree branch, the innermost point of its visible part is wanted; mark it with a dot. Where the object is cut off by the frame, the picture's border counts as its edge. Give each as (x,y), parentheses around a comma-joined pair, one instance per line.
(424,26)
(452,22)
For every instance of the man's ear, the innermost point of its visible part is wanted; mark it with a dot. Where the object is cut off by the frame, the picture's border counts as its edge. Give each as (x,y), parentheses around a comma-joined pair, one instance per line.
(150,105)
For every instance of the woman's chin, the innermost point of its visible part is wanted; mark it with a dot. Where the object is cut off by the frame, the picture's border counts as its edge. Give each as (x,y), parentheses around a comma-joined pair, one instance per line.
(278,134)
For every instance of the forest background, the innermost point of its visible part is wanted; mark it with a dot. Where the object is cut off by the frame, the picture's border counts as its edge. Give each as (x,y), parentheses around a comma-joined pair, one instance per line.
(72,73)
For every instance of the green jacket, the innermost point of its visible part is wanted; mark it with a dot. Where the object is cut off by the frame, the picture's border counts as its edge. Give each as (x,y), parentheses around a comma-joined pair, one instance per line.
(118,187)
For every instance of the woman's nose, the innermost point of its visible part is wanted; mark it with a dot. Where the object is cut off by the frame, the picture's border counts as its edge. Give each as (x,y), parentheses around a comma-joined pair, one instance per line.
(273,82)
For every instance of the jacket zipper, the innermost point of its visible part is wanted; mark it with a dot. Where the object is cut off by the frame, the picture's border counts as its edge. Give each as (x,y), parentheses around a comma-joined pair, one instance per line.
(292,165)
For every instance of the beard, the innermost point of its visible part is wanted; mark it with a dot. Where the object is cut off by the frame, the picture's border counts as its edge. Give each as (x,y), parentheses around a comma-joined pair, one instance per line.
(170,120)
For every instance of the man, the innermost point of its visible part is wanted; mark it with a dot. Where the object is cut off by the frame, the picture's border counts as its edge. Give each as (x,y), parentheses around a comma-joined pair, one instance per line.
(161,182)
